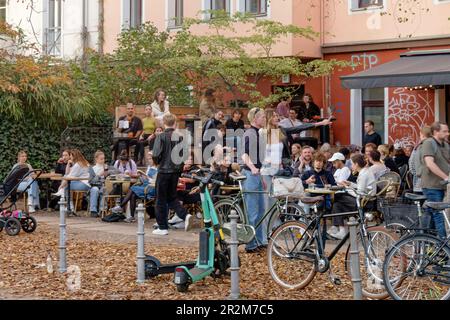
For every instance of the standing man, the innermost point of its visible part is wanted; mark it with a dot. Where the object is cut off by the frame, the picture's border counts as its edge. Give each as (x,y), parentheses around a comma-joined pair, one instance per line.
(435,169)
(132,126)
(309,109)
(169,170)
(371,136)
(254,151)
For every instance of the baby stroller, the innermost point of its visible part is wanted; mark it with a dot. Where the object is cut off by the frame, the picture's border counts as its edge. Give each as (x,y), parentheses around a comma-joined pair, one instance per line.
(11,219)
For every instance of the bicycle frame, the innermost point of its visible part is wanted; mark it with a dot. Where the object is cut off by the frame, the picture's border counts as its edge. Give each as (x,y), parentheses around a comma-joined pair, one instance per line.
(315,227)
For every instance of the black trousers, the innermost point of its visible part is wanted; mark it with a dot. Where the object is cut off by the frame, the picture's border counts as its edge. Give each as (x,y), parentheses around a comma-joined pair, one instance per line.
(140,148)
(166,197)
(121,145)
(343,202)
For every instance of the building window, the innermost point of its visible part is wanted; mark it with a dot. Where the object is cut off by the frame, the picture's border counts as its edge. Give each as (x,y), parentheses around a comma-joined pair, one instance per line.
(132,14)
(175,13)
(256,7)
(219,5)
(366,4)
(52,43)
(373,109)
(2,10)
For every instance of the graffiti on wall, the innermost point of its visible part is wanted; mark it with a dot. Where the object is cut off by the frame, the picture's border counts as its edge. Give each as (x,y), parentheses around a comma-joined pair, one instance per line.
(408,112)
(366,60)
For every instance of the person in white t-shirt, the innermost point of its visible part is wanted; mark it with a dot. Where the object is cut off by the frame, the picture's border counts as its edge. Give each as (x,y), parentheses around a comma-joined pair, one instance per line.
(342,172)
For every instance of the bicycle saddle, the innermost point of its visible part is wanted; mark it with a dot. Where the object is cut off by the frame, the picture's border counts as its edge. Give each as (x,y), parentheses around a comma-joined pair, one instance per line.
(415,197)
(237,177)
(437,205)
(311,200)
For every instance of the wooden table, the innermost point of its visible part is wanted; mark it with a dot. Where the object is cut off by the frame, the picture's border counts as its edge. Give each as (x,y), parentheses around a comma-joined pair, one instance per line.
(321,191)
(48,176)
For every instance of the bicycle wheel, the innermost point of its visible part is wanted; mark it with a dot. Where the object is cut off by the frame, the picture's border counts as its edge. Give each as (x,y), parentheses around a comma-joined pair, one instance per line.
(291,212)
(291,255)
(409,272)
(379,240)
(223,209)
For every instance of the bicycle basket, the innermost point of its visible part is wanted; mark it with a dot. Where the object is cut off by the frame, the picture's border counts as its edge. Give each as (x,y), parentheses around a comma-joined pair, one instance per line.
(245,232)
(398,212)
(287,187)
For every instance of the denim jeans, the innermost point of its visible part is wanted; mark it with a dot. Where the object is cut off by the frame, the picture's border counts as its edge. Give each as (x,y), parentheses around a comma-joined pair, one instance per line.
(432,218)
(33,192)
(95,196)
(75,186)
(254,203)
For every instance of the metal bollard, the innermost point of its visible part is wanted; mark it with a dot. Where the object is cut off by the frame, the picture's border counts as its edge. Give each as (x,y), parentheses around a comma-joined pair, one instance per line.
(354,260)
(62,235)
(234,263)
(140,245)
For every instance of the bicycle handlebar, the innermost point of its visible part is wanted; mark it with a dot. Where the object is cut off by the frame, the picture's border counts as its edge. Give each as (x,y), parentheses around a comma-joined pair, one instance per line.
(206,179)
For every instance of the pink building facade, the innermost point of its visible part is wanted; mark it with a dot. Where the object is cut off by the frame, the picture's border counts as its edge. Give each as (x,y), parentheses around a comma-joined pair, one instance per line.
(366,33)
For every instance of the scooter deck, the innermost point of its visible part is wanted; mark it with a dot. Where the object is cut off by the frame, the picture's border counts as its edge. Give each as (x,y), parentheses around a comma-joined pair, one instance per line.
(170,267)
(199,273)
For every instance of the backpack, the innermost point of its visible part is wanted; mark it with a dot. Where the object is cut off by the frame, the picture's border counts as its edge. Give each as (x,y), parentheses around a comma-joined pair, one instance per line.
(419,162)
(113,217)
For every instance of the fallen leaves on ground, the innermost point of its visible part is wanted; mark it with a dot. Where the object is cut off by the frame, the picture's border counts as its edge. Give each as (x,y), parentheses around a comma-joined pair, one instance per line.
(108,271)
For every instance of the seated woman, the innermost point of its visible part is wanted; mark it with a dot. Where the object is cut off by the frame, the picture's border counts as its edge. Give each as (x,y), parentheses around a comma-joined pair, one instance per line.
(345,202)
(96,194)
(383,149)
(189,194)
(33,189)
(77,167)
(144,190)
(125,165)
(376,166)
(149,124)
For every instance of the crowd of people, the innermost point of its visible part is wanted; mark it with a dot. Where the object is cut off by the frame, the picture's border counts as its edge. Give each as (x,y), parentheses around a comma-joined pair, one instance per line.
(277,136)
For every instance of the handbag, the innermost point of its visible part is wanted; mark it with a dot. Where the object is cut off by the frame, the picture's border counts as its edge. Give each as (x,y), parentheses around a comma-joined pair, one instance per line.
(284,187)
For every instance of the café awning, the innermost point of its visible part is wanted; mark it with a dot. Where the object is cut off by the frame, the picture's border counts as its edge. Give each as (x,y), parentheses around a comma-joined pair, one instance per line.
(414,68)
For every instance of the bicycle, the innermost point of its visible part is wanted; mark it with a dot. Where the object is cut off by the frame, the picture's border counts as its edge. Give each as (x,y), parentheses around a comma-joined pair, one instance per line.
(281,210)
(296,251)
(418,265)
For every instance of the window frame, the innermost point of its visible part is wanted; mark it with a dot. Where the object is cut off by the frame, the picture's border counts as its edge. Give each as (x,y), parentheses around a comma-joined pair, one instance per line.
(53,29)
(5,9)
(357,8)
(176,22)
(259,13)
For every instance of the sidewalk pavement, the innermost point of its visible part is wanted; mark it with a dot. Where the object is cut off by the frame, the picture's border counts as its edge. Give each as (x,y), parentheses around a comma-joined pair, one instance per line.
(115,232)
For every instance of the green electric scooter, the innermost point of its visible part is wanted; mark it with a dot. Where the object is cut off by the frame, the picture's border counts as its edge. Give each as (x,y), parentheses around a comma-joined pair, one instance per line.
(214,257)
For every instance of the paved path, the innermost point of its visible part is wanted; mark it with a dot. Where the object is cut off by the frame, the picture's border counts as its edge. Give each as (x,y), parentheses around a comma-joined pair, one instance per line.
(122,232)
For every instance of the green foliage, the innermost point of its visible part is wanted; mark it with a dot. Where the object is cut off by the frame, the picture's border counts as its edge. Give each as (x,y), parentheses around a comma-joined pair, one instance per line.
(41,144)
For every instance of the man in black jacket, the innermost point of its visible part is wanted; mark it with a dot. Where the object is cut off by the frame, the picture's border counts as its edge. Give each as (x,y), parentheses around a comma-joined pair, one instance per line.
(170,166)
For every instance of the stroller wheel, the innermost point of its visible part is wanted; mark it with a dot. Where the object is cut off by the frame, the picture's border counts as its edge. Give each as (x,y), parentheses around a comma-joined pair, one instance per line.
(29,224)
(12,226)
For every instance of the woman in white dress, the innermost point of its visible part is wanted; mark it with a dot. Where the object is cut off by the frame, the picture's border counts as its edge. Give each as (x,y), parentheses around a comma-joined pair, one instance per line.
(160,106)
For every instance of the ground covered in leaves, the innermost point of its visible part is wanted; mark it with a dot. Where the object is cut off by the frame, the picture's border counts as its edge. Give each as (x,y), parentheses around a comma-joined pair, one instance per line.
(108,271)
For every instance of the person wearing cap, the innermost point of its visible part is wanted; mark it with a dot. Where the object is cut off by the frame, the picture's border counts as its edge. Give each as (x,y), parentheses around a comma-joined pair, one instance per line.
(342,172)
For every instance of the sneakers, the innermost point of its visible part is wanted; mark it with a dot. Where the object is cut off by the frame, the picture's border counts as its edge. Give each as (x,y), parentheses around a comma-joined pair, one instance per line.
(333,230)
(187,222)
(179,225)
(130,219)
(117,209)
(161,232)
(31,209)
(60,193)
(340,234)
(155,226)
(175,219)
(94,214)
